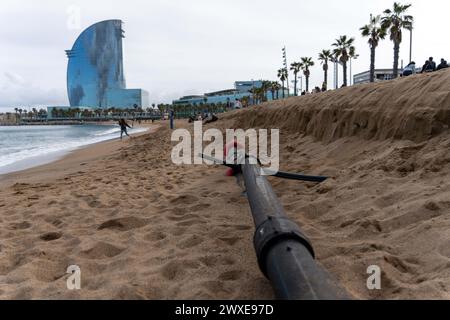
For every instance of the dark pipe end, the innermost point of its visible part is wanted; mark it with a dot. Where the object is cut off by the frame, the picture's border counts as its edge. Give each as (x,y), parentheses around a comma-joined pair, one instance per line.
(273,231)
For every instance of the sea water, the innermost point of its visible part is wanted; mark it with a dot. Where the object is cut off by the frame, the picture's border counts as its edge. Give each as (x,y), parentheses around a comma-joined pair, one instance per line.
(23,147)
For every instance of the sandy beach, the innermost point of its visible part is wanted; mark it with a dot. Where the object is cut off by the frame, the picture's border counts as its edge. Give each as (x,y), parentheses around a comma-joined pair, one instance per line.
(138,226)
(141,227)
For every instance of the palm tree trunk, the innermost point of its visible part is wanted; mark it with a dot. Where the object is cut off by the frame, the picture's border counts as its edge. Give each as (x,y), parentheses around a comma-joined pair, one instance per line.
(344,67)
(372,64)
(396,54)
(295,84)
(325,75)
(282,88)
(307,83)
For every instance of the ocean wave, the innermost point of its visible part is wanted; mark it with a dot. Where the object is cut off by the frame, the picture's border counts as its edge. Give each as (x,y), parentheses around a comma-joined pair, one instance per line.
(36,153)
(107,132)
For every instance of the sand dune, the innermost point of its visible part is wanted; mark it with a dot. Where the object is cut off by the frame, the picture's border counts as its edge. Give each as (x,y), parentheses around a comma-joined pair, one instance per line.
(386,148)
(141,227)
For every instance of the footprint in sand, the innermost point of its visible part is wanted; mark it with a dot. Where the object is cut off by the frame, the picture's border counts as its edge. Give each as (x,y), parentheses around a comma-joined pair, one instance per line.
(179,211)
(240,227)
(230,275)
(190,242)
(178,231)
(123,224)
(183,217)
(200,207)
(189,223)
(184,200)
(216,287)
(102,250)
(155,236)
(20,226)
(230,240)
(177,268)
(49,271)
(50,236)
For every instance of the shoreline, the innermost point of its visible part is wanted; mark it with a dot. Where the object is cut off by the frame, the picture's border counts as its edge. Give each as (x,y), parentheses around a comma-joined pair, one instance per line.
(61,123)
(66,161)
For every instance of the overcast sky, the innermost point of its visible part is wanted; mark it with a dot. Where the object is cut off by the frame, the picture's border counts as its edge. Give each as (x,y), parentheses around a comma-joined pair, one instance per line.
(178,47)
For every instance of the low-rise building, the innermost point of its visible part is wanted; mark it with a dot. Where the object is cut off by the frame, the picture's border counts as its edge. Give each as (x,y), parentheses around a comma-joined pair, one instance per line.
(8,118)
(241,90)
(380,75)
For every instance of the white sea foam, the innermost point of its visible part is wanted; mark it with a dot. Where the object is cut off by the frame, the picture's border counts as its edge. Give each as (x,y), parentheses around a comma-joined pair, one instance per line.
(25,146)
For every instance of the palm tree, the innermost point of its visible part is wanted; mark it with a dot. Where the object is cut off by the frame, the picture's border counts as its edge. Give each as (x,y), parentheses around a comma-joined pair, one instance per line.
(282,74)
(254,98)
(395,20)
(295,67)
(266,86)
(324,57)
(375,33)
(276,89)
(343,48)
(272,89)
(304,65)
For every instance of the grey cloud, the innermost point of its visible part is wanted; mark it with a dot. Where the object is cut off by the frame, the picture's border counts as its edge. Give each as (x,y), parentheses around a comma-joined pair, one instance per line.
(177,47)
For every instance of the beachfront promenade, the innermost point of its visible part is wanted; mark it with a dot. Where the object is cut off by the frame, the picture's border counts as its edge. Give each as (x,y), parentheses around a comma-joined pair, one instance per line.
(83,119)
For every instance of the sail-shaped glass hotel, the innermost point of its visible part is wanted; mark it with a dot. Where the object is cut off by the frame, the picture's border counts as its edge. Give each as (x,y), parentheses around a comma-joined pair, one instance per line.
(95,76)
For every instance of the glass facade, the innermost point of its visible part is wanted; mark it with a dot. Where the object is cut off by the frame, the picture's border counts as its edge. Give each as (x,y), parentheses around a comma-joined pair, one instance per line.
(95,76)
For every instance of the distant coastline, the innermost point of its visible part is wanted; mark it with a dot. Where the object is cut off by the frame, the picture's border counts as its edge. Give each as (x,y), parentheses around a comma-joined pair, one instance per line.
(58,123)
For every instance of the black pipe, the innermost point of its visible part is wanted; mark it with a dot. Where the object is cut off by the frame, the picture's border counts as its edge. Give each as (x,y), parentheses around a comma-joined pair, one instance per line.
(301,177)
(278,174)
(284,253)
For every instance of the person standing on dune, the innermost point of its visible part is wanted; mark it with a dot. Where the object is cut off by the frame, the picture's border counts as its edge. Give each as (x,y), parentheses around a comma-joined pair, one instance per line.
(123,128)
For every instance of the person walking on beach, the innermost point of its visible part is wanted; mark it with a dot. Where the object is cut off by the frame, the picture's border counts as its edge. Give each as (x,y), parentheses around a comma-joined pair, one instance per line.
(123,128)
(171,118)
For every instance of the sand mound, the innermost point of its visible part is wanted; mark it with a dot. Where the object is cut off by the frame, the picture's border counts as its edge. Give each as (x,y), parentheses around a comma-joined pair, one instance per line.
(414,108)
(386,149)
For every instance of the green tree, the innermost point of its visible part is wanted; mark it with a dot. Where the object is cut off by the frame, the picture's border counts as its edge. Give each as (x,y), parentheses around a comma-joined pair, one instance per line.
(375,33)
(306,62)
(266,85)
(394,21)
(282,75)
(324,57)
(277,87)
(295,67)
(343,48)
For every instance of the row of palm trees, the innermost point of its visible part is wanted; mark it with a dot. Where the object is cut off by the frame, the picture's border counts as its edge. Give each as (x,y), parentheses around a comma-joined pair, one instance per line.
(392,22)
(33,113)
